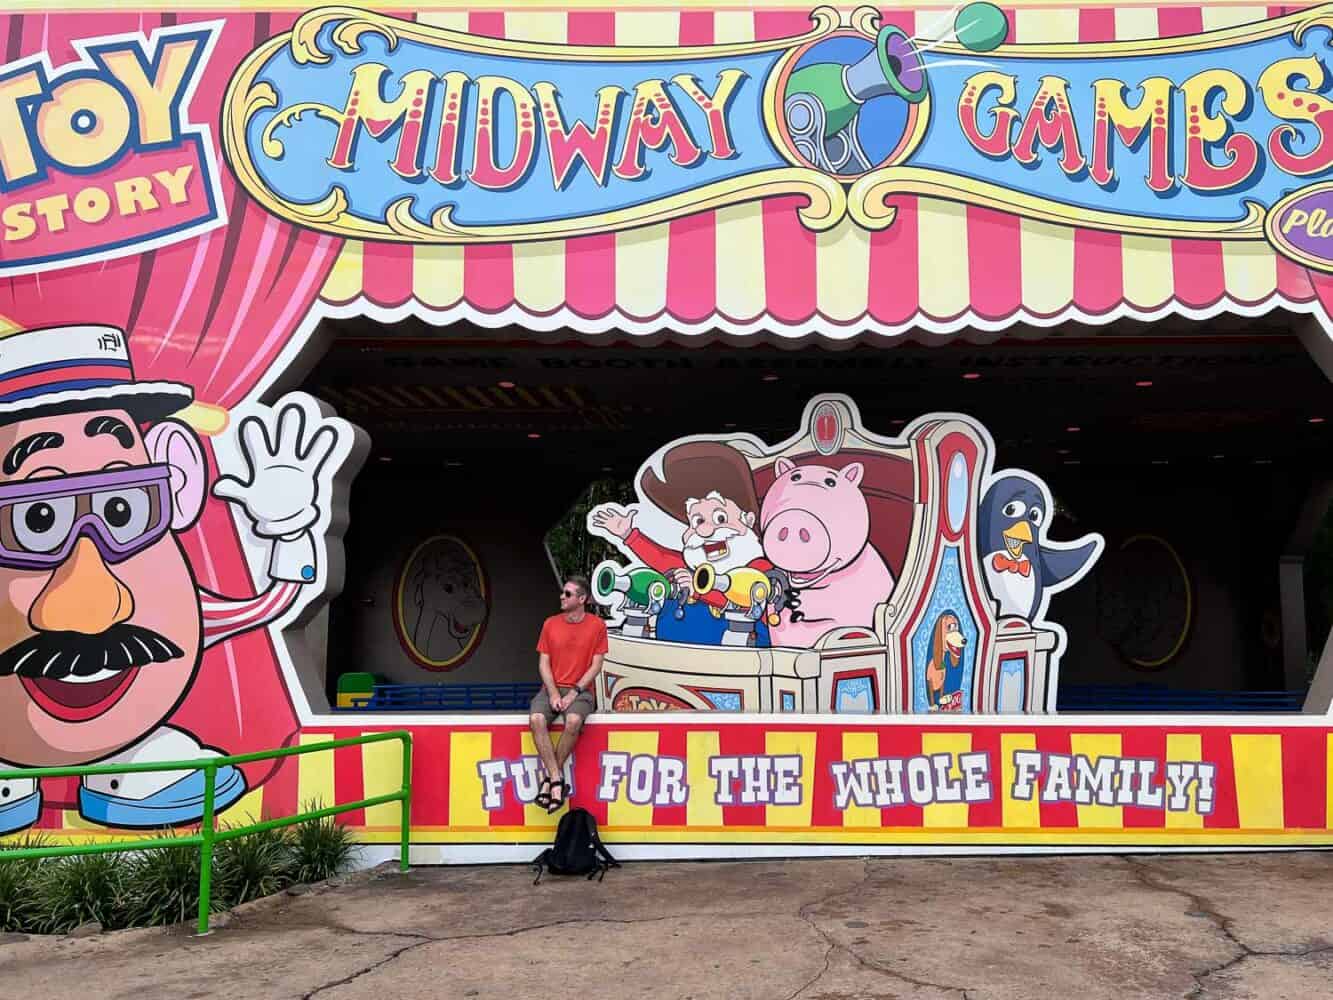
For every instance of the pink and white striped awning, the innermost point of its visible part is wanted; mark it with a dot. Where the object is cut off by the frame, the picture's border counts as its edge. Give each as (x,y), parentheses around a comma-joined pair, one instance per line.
(941,266)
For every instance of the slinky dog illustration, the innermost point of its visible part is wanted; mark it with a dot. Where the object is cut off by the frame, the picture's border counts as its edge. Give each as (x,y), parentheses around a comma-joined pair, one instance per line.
(944,670)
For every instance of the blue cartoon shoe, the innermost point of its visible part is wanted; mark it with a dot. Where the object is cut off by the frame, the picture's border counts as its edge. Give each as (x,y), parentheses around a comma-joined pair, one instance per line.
(20,804)
(155,799)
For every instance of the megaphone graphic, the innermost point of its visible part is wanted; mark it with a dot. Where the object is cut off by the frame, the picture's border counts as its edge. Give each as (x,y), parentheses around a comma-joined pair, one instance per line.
(893,66)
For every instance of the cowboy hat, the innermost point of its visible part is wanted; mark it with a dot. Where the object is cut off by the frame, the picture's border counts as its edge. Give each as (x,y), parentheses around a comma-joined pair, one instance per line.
(695,469)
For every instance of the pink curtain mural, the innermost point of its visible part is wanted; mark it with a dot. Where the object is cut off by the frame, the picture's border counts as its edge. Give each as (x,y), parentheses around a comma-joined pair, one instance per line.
(213,312)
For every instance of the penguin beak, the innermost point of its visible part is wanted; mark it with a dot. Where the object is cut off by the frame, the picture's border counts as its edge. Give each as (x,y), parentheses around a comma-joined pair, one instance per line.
(1016,536)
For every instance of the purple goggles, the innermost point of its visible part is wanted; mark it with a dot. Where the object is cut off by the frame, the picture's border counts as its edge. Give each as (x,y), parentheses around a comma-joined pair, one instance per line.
(122,512)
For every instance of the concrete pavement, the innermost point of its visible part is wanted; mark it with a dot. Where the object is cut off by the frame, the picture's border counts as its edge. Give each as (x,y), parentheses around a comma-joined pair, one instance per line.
(1204,927)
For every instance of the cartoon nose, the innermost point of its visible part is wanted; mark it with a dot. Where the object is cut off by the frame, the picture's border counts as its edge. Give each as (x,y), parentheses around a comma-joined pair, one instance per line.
(82,595)
(797,540)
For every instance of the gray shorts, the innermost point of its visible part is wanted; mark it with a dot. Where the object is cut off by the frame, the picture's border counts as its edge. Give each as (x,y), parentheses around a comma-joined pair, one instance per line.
(584,705)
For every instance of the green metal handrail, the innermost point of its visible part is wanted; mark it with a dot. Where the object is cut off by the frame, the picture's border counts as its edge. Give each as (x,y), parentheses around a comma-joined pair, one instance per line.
(208,834)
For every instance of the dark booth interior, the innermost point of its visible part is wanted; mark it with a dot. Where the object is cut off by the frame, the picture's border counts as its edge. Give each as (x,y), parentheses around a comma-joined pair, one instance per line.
(1197,449)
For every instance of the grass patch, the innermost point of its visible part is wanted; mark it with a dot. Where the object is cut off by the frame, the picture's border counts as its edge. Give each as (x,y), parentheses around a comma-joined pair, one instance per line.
(252,866)
(321,848)
(19,910)
(161,886)
(81,889)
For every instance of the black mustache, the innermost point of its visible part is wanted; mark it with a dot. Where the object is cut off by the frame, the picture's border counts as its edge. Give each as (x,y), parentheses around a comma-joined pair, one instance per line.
(57,655)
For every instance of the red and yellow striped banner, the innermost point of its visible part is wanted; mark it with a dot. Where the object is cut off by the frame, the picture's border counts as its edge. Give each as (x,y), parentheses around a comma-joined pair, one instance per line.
(704,782)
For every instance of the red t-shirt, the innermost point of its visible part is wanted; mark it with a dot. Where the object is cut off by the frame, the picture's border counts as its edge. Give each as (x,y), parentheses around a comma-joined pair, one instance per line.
(571,646)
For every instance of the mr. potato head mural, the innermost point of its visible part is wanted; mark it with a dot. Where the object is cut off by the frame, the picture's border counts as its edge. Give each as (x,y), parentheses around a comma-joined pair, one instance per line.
(104,624)
(920,576)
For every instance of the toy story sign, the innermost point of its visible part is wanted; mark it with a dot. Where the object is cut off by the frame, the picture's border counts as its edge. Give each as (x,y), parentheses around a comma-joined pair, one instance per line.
(366,126)
(837,571)
(100,157)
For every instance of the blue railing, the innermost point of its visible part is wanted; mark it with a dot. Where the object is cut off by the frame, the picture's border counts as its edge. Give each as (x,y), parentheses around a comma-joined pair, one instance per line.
(445,698)
(1155,698)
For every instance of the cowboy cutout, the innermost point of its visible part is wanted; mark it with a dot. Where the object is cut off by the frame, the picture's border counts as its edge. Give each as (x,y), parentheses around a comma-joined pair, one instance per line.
(104,626)
(708,487)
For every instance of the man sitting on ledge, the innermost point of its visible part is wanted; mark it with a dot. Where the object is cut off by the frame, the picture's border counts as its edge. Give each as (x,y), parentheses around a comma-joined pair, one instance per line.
(571,645)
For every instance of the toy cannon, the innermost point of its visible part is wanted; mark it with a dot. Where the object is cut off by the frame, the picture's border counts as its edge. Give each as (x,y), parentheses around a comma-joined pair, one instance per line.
(644,592)
(823,99)
(750,597)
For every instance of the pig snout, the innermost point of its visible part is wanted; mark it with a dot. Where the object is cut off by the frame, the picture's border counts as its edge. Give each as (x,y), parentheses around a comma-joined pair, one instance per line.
(796,540)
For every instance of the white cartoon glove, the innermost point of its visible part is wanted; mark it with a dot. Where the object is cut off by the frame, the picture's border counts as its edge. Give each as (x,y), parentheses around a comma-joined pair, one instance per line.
(281,494)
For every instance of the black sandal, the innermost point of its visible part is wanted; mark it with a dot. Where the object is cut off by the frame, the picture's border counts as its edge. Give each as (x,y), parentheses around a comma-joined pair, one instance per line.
(552,805)
(543,798)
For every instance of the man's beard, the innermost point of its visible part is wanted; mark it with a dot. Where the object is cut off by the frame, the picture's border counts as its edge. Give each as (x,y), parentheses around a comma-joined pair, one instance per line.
(57,655)
(742,549)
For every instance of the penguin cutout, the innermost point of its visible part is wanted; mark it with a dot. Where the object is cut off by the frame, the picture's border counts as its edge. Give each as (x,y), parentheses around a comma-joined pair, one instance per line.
(1023,568)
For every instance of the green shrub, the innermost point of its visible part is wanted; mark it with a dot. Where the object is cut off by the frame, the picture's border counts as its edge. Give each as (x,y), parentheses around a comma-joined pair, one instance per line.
(257,864)
(162,885)
(75,890)
(321,848)
(19,911)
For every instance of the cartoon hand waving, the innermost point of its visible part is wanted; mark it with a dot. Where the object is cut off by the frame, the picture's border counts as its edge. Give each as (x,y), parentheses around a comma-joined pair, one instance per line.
(616,520)
(281,495)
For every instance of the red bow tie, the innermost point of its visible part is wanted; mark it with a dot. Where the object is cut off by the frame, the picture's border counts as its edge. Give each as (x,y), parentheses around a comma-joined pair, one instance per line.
(1003,564)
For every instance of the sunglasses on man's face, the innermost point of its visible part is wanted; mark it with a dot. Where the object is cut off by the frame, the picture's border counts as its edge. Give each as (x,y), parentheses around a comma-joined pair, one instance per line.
(568,593)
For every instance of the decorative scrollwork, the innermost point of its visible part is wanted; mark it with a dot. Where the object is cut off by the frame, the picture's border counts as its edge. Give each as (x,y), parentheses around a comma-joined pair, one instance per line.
(328,210)
(271,145)
(258,98)
(825,19)
(866,204)
(352,24)
(825,207)
(1316,17)
(866,20)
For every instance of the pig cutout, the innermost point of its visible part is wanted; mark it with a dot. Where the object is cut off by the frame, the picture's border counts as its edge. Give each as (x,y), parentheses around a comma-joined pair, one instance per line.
(815,524)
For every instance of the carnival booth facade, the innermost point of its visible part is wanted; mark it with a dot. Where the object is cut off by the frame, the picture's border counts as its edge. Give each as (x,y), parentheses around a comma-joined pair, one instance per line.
(837,639)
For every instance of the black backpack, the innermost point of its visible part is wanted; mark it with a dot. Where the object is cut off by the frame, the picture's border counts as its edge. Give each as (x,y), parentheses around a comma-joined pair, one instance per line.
(577,850)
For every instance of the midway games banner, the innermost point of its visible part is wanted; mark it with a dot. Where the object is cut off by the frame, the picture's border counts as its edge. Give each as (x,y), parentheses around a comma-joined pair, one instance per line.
(366,126)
